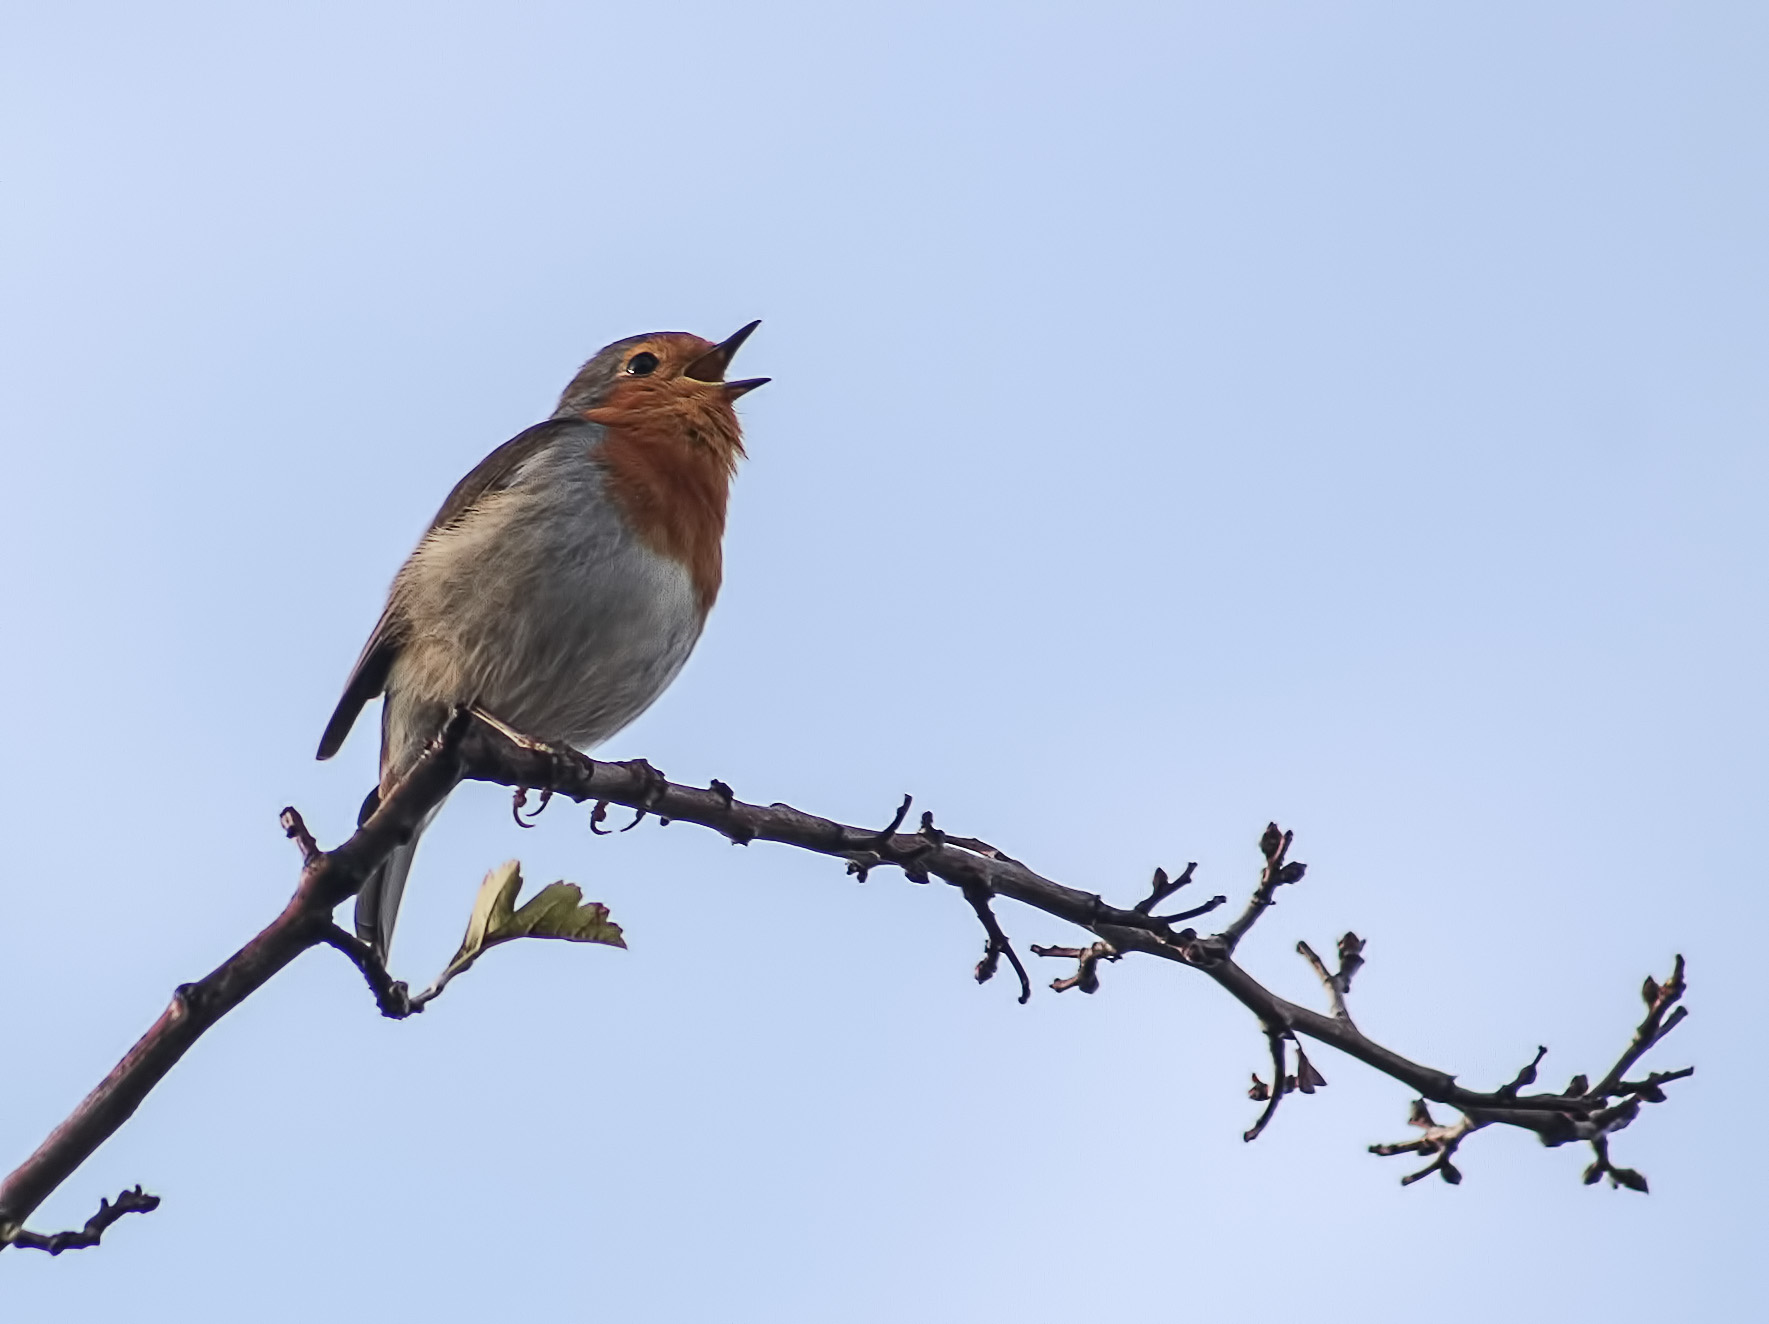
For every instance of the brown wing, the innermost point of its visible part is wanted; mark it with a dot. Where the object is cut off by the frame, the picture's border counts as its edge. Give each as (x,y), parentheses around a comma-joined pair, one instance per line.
(369,677)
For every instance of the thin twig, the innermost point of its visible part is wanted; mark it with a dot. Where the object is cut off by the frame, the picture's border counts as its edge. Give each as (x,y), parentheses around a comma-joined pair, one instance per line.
(1439,1140)
(1086,976)
(129,1202)
(1274,1036)
(975,868)
(998,944)
(1274,845)
(1659,999)
(391,995)
(1334,992)
(1160,887)
(295,828)
(327,879)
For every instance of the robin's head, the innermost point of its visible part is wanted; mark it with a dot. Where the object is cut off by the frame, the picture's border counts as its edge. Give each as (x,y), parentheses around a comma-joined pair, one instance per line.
(664,370)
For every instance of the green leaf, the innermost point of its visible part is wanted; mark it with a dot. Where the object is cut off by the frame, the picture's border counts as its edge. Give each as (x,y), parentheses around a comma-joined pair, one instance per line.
(493,906)
(558,910)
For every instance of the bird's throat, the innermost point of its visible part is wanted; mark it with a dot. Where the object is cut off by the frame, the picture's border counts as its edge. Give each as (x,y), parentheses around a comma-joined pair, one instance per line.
(669,471)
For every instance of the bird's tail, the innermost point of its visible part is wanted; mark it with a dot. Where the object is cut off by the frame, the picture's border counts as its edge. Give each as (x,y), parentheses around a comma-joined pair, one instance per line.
(377,904)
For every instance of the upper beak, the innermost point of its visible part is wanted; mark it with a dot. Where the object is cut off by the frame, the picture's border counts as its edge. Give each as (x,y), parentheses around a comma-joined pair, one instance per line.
(710,366)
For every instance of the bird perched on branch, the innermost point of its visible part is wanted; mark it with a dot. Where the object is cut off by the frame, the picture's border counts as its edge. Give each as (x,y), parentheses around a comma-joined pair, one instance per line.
(566,579)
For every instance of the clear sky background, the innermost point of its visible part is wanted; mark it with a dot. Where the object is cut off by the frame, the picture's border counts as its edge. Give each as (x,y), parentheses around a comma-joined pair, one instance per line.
(1184,415)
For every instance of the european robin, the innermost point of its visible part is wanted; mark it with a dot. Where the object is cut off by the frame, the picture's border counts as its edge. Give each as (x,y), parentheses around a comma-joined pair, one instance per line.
(566,579)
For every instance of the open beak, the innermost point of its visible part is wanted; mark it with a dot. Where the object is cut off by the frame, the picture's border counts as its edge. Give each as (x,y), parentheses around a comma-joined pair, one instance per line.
(710,366)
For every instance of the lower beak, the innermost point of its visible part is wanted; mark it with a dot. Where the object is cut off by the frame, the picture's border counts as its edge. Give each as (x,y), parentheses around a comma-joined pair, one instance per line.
(710,366)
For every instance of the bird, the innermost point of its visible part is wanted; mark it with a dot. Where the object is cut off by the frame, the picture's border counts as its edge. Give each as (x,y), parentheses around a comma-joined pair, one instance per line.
(565,580)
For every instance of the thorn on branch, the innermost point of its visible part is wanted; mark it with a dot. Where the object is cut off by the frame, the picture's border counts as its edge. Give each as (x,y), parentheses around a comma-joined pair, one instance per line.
(1086,976)
(295,828)
(599,816)
(723,791)
(133,1201)
(884,837)
(998,944)
(1527,1076)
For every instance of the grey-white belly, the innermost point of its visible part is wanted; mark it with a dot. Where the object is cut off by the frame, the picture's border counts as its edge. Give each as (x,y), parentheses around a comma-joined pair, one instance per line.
(545,611)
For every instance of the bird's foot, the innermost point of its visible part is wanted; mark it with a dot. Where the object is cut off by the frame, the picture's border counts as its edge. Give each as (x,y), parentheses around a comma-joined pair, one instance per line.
(562,762)
(652,785)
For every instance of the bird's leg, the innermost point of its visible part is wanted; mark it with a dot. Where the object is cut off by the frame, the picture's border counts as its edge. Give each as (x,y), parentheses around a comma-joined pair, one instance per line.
(509,732)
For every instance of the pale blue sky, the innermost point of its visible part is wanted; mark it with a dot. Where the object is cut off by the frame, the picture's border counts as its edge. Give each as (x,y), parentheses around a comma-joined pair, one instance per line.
(1183,416)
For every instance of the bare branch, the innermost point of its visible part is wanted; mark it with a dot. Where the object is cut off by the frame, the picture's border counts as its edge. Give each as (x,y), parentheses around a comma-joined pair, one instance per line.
(980,872)
(1274,845)
(1351,960)
(391,995)
(1160,887)
(326,880)
(1335,990)
(295,827)
(1438,1140)
(1527,1076)
(1659,999)
(998,944)
(1194,912)
(1086,976)
(129,1202)
(1274,1036)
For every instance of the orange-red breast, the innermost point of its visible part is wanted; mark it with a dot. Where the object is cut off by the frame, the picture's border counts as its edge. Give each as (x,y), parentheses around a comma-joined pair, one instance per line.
(566,579)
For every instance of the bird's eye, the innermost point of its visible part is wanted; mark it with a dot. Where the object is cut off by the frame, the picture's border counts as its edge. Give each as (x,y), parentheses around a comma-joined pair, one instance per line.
(642,365)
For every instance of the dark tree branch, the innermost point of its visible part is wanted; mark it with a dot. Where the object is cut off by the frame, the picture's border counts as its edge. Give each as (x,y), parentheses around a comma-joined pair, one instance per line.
(1274,1037)
(998,944)
(327,879)
(129,1202)
(1438,1140)
(978,870)
(1336,984)
(1274,845)
(391,995)
(1193,913)
(1659,999)
(1086,976)
(1160,888)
